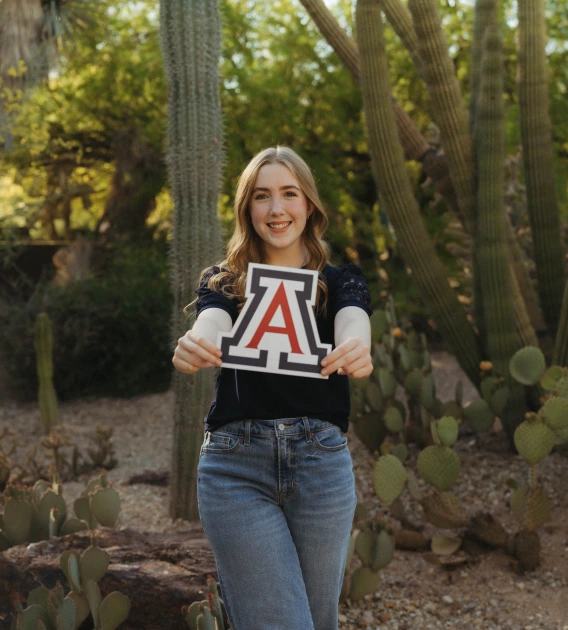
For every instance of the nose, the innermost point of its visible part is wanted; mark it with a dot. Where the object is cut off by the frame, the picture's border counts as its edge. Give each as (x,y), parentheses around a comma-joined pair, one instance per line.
(276,207)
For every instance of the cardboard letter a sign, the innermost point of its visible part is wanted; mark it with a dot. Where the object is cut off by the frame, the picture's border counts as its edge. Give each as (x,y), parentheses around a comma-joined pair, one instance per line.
(276,330)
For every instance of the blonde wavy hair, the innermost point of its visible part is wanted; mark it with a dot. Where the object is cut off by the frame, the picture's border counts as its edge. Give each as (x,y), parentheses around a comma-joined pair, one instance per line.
(246,246)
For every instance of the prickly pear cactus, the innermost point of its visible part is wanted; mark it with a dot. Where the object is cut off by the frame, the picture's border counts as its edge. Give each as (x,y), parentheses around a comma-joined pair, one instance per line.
(207,614)
(53,610)
(439,466)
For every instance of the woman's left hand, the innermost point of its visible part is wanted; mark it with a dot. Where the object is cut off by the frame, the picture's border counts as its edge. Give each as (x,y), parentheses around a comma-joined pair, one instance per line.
(352,357)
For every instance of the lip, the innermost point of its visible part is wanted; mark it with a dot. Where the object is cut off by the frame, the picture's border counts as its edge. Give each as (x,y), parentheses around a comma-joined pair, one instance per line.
(279,230)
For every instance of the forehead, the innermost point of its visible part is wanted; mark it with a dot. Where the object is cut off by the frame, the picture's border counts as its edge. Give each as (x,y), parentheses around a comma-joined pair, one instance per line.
(275,175)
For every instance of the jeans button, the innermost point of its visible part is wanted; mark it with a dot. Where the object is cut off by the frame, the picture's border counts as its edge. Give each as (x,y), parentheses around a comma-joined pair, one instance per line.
(281,427)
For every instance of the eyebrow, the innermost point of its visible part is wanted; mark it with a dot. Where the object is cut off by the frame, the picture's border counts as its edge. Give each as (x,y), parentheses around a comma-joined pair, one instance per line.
(281,188)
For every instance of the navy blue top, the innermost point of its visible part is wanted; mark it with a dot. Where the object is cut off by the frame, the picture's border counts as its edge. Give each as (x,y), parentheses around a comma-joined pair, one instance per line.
(245,394)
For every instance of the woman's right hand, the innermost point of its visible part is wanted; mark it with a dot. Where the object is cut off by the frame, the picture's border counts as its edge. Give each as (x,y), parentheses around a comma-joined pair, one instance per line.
(194,352)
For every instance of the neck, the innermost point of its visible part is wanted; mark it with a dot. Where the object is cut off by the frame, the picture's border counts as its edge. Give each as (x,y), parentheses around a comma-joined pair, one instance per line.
(295,259)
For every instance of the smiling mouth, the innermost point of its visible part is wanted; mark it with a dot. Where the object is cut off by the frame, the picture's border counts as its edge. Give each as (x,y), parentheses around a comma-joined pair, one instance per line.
(279,227)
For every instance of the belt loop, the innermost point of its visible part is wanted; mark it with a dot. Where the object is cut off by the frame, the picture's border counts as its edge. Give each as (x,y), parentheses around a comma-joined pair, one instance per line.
(307,429)
(247,432)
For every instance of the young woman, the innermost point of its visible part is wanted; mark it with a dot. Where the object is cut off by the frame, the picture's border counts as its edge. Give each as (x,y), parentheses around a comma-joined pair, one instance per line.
(275,485)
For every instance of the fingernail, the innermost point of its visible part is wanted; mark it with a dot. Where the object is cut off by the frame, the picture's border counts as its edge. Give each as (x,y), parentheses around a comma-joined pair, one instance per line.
(219,362)
(324,372)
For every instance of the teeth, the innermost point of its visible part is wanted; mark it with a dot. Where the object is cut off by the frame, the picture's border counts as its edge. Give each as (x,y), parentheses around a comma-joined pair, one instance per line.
(278,225)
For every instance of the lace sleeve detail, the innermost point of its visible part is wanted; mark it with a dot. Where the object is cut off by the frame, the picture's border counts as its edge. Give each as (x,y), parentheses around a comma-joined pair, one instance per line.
(207,298)
(352,289)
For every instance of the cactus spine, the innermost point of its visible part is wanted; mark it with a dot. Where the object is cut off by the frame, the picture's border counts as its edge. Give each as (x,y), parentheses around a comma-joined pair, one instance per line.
(190,34)
(538,158)
(44,360)
(396,192)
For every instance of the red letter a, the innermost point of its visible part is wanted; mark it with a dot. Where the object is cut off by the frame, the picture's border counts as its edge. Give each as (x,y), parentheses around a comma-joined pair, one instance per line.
(281,301)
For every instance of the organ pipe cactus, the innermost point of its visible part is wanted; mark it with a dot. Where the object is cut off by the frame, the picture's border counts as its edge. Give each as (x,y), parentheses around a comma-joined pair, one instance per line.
(538,158)
(396,192)
(468,340)
(448,109)
(492,251)
(44,360)
(190,36)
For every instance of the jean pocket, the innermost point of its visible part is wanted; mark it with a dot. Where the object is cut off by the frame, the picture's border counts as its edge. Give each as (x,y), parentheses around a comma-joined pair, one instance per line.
(331,439)
(220,442)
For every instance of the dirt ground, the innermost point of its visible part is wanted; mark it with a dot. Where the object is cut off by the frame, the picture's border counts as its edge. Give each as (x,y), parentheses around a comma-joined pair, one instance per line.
(483,592)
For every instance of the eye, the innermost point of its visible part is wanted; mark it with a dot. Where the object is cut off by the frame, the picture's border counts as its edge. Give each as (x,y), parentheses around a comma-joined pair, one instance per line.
(259,195)
(291,192)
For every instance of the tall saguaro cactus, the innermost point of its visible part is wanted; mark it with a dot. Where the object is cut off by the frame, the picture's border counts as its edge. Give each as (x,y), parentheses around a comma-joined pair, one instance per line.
(190,33)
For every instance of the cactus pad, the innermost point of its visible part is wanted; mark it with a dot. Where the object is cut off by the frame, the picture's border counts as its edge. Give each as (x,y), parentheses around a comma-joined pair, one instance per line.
(17,521)
(531,507)
(447,429)
(534,441)
(527,365)
(389,478)
(374,396)
(551,376)
(383,550)
(485,528)
(393,420)
(114,609)
(379,324)
(439,465)
(387,382)
(363,582)
(555,414)
(479,415)
(444,510)
(562,387)
(413,382)
(445,545)
(105,506)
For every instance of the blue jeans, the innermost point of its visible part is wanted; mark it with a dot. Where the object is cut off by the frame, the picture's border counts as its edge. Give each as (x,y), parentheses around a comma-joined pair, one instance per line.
(277,499)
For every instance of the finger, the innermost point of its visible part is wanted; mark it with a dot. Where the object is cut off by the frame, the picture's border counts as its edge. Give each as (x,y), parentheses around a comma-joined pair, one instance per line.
(355,365)
(343,360)
(347,346)
(191,367)
(363,372)
(197,345)
(210,347)
(183,366)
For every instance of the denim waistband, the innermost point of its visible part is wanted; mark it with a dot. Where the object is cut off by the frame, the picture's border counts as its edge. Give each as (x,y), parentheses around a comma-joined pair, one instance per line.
(280,426)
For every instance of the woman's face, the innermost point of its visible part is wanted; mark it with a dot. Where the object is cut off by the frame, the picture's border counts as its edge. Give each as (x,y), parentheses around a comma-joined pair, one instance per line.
(279,210)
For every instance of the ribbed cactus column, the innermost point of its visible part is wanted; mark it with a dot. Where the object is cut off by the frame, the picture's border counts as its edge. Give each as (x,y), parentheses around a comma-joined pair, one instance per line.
(397,196)
(190,32)
(492,246)
(538,158)
(485,11)
(448,109)
(415,145)
(44,361)
(399,18)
